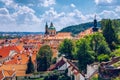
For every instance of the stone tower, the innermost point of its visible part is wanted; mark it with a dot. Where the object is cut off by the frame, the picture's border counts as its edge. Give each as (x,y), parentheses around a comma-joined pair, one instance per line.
(46,29)
(95,29)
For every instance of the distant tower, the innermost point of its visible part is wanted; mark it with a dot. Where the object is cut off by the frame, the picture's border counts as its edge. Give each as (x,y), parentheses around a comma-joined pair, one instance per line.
(46,29)
(95,22)
(52,30)
(95,25)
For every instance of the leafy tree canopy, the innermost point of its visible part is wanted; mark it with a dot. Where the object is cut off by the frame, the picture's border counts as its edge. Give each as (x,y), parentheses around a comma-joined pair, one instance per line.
(67,48)
(109,33)
(44,58)
(84,55)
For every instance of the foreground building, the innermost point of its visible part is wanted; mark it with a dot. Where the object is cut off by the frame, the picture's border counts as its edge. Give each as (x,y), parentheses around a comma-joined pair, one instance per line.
(110,69)
(7,75)
(64,64)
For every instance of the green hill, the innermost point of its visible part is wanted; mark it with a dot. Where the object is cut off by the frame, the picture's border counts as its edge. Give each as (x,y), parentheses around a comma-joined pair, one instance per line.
(75,29)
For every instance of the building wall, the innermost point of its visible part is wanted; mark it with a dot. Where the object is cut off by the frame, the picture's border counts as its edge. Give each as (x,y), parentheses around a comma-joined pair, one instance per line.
(64,67)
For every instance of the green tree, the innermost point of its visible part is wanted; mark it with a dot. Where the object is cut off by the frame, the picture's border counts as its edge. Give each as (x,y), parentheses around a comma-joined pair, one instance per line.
(98,45)
(67,48)
(84,54)
(44,58)
(30,66)
(109,33)
(103,48)
(103,57)
(115,53)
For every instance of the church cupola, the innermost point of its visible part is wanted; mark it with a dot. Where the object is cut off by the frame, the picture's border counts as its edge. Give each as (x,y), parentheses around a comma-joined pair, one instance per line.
(52,26)
(52,30)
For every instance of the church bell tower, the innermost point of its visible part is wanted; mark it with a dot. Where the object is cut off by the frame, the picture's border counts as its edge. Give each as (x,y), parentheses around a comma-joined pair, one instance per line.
(46,29)
(95,29)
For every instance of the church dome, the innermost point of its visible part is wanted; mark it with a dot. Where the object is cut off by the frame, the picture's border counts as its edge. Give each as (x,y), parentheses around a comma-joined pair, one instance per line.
(51,27)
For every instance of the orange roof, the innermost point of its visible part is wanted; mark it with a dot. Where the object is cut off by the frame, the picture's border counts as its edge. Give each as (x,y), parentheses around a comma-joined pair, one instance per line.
(14,40)
(84,33)
(61,34)
(20,46)
(23,59)
(8,73)
(4,51)
(1,75)
(20,69)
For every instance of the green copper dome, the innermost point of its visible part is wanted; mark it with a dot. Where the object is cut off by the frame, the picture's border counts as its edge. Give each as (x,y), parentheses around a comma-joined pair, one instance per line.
(51,26)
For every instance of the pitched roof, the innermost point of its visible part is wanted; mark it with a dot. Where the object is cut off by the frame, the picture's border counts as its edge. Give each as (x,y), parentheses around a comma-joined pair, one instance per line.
(62,61)
(14,40)
(1,75)
(4,51)
(20,46)
(19,68)
(8,73)
(57,65)
(59,36)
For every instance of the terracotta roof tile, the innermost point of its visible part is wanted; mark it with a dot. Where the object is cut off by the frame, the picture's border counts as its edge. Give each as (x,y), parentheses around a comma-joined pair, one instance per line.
(4,51)
(1,75)
(8,73)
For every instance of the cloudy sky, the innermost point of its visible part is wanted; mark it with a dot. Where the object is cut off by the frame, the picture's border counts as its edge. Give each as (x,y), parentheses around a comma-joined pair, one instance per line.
(31,15)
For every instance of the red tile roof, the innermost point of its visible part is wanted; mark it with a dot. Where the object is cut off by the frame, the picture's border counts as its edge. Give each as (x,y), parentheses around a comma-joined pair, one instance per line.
(1,75)
(4,51)
(8,73)
(57,65)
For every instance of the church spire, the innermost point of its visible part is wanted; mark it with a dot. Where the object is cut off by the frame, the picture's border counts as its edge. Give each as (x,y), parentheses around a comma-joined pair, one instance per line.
(51,25)
(95,25)
(46,28)
(95,22)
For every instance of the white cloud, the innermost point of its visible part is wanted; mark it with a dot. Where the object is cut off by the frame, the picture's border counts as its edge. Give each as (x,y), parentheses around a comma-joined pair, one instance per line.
(72,5)
(117,9)
(63,19)
(108,14)
(9,3)
(47,3)
(5,16)
(103,1)
(22,19)
(4,11)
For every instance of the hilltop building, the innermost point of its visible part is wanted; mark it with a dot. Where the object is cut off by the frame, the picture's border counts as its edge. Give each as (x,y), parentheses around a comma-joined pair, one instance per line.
(90,30)
(51,31)
(53,39)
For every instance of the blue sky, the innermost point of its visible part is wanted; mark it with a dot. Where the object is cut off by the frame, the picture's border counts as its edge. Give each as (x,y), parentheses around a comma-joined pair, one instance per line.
(31,15)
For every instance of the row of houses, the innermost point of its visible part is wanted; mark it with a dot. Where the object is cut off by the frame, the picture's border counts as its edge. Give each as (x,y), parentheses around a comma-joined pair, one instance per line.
(64,64)
(110,69)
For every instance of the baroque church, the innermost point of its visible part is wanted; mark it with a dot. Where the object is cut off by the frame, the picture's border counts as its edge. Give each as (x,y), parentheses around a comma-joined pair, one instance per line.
(51,31)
